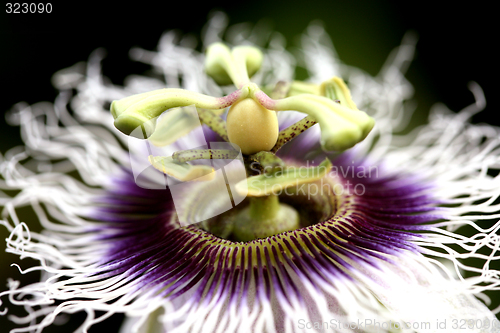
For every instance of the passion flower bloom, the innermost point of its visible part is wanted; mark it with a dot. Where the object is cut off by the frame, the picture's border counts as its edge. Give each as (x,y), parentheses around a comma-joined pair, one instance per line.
(365,240)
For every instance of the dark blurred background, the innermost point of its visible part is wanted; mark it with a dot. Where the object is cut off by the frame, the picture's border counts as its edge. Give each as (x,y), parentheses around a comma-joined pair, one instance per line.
(456,45)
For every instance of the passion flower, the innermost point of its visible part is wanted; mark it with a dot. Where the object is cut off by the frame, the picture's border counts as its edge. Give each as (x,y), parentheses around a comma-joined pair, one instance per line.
(361,240)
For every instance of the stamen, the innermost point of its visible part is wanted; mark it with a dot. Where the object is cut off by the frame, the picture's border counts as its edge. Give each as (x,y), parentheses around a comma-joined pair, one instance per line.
(179,122)
(214,122)
(140,111)
(293,131)
(336,90)
(110,245)
(173,125)
(278,181)
(341,126)
(183,156)
(181,171)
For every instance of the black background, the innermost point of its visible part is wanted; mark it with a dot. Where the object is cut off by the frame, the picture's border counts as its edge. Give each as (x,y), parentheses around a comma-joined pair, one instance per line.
(456,45)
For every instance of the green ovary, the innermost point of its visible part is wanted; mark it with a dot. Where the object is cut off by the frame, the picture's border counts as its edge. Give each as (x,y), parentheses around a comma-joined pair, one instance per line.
(252,127)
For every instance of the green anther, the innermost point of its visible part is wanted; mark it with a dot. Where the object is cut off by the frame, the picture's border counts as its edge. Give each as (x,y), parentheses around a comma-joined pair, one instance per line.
(181,171)
(235,66)
(336,89)
(183,156)
(181,121)
(277,182)
(293,131)
(174,125)
(341,127)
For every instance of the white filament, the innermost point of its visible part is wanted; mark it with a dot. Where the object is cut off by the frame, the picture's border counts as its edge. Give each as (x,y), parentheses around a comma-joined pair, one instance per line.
(450,153)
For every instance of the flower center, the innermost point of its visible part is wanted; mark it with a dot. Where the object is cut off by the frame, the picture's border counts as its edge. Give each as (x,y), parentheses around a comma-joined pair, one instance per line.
(252,125)
(297,207)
